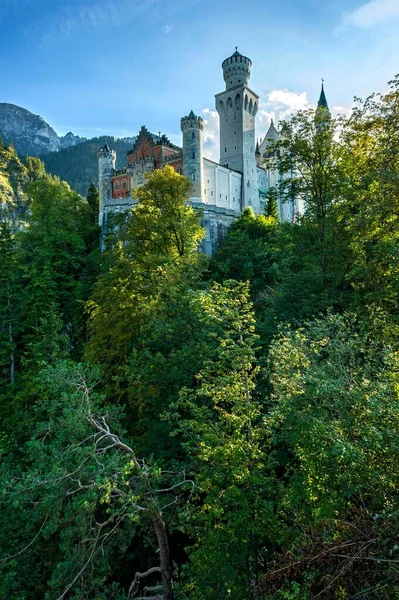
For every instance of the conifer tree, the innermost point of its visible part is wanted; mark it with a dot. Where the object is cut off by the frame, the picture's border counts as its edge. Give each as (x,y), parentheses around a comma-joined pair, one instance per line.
(271,205)
(93,201)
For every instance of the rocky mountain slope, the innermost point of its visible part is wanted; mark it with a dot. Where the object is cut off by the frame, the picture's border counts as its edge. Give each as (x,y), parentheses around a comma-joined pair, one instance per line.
(14,176)
(70,157)
(30,134)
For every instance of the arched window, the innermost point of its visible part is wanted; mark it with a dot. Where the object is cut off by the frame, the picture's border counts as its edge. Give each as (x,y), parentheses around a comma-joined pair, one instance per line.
(124,184)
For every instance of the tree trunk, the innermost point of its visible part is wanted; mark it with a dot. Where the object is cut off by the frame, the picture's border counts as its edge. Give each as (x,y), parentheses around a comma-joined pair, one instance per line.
(164,558)
(12,355)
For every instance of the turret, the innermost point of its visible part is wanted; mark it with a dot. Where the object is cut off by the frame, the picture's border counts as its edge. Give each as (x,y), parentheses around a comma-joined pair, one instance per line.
(236,70)
(106,167)
(192,128)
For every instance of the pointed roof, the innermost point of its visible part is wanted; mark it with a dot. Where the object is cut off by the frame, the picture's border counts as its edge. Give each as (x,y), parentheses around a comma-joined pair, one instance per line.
(322,103)
(191,114)
(272,136)
(236,53)
(272,133)
(257,151)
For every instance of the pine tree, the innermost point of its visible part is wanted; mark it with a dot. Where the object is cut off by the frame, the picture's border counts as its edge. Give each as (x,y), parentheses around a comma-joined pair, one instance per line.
(271,205)
(93,201)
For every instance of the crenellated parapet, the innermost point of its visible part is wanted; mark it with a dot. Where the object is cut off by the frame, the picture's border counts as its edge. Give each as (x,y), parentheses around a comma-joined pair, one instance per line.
(192,121)
(236,70)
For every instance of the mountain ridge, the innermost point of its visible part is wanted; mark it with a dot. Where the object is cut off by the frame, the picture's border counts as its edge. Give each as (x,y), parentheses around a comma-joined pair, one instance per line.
(71,157)
(29,133)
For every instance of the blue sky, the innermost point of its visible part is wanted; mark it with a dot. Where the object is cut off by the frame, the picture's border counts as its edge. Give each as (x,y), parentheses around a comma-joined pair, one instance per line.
(110,66)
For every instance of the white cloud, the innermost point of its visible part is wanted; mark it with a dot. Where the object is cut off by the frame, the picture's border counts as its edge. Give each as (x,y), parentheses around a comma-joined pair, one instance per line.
(211,134)
(344,111)
(278,105)
(371,13)
(168,28)
(289,101)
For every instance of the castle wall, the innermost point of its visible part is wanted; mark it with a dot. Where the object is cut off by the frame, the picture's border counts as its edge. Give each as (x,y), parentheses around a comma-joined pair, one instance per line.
(121,185)
(221,186)
(216,221)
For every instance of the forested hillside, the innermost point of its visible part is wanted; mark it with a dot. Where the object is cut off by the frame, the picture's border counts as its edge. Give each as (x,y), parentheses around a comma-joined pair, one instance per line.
(78,165)
(223,429)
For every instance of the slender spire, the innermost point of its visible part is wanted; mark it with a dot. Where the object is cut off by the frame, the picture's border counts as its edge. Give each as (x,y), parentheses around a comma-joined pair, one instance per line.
(257,150)
(322,103)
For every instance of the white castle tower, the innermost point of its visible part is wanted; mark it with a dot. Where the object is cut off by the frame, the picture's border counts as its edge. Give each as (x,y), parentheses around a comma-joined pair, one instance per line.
(193,163)
(237,108)
(106,168)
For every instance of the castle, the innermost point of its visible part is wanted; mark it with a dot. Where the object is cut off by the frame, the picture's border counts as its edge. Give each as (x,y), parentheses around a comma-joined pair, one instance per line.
(245,172)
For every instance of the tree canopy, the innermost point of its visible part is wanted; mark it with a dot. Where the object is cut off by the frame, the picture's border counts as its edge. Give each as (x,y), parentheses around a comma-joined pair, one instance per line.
(174,426)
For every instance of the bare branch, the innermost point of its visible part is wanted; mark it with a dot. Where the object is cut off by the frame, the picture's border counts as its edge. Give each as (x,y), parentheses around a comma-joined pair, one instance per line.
(133,589)
(30,543)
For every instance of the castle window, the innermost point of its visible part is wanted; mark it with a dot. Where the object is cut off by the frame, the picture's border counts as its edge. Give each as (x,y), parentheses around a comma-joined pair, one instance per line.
(226,196)
(235,118)
(235,133)
(194,177)
(193,135)
(226,119)
(116,186)
(225,149)
(211,193)
(124,184)
(193,154)
(235,147)
(208,180)
(205,190)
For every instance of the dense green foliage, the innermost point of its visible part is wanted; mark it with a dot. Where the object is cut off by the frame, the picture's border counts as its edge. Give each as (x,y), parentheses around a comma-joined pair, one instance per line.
(206,429)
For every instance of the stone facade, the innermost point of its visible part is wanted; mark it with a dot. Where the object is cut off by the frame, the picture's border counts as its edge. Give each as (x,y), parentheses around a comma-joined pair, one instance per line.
(241,179)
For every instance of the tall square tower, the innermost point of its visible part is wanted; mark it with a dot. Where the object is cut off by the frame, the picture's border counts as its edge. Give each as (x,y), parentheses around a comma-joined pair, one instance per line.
(237,107)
